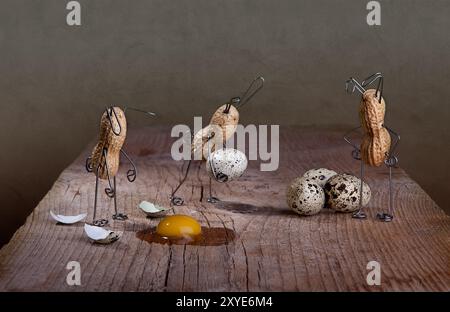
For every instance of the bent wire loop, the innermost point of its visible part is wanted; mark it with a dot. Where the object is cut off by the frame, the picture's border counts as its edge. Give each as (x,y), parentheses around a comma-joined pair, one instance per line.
(240,101)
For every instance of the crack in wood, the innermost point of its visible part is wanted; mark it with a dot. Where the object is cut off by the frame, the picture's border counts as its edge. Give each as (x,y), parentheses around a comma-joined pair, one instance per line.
(201,193)
(246,266)
(184,267)
(169,262)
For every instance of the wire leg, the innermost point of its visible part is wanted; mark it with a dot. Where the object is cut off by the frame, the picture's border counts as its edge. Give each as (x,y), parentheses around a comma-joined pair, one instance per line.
(117,215)
(99,222)
(111,190)
(95,198)
(383,216)
(360,214)
(131,173)
(211,199)
(391,162)
(391,199)
(178,201)
(115,198)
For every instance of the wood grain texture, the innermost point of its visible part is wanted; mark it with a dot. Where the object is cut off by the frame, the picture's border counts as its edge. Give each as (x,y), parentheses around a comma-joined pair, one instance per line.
(274,249)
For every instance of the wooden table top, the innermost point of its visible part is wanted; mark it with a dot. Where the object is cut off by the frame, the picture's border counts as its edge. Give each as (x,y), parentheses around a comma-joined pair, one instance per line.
(273,249)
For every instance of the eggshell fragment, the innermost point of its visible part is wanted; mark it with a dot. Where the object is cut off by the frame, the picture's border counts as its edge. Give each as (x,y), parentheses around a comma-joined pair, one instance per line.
(100,235)
(68,219)
(153,210)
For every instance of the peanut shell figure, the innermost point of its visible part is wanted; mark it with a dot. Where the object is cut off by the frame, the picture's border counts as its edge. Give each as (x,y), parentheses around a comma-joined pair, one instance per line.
(376,147)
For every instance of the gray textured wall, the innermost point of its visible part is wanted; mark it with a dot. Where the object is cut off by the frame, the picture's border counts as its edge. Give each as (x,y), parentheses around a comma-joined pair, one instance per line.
(181,58)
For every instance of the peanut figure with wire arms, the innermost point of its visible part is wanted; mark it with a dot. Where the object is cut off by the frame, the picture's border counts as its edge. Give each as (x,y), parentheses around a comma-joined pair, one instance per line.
(222,126)
(376,147)
(105,158)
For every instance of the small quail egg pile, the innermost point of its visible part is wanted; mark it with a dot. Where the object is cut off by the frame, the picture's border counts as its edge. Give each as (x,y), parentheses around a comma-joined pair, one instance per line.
(319,188)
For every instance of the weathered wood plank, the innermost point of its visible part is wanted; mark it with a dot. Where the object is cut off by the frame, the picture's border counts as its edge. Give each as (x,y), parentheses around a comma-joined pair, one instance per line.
(274,249)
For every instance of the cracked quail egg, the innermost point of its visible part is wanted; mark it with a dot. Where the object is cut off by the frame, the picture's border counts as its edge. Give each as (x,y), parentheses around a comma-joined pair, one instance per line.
(320,176)
(305,196)
(343,191)
(226,164)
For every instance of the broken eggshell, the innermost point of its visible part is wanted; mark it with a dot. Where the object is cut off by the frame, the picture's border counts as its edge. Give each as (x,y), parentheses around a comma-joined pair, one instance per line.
(226,164)
(67,219)
(100,235)
(152,210)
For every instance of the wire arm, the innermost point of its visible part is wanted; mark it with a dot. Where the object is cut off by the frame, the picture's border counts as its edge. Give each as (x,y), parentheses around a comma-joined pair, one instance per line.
(391,159)
(371,79)
(352,84)
(88,164)
(356,153)
(248,94)
(110,191)
(111,112)
(251,91)
(131,173)
(152,114)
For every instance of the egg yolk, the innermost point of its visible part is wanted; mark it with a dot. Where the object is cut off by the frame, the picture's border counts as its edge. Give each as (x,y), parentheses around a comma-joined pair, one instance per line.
(178,226)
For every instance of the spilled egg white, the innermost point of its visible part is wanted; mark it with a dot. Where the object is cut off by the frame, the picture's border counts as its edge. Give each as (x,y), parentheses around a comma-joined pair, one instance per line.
(226,164)
(152,210)
(67,219)
(100,235)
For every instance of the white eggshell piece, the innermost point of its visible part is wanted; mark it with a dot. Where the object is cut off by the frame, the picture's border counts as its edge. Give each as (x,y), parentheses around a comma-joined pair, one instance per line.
(305,197)
(112,237)
(101,235)
(320,176)
(343,192)
(68,219)
(151,209)
(226,164)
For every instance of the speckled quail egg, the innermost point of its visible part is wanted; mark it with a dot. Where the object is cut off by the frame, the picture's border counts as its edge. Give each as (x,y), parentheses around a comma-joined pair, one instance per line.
(305,196)
(342,193)
(320,176)
(226,164)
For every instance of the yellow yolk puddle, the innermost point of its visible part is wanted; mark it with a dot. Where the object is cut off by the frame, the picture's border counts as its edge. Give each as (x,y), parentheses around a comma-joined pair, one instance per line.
(179,227)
